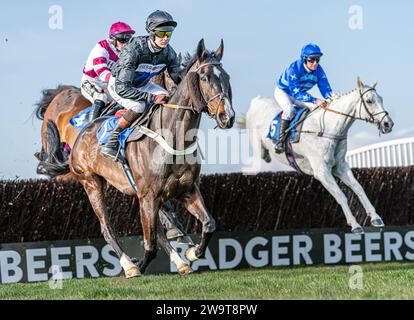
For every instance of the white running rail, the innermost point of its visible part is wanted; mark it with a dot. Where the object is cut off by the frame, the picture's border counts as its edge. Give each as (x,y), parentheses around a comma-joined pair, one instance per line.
(394,153)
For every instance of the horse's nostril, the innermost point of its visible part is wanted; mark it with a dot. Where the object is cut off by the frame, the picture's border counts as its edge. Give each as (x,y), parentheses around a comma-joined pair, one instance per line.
(223,116)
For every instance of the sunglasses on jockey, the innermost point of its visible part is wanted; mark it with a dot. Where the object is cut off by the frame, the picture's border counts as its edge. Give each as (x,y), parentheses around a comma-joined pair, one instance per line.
(313,59)
(123,38)
(162,34)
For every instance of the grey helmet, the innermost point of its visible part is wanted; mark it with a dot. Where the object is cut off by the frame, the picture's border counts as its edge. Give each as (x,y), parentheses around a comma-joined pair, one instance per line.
(161,21)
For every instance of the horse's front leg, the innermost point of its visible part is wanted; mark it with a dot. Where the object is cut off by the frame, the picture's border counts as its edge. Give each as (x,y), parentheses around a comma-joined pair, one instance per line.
(344,173)
(322,173)
(194,203)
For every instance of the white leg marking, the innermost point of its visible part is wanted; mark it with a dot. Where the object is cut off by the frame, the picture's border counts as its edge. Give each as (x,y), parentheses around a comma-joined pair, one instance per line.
(126,262)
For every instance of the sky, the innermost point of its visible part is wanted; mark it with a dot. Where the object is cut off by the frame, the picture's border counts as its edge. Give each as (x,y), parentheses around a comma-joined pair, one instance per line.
(261,39)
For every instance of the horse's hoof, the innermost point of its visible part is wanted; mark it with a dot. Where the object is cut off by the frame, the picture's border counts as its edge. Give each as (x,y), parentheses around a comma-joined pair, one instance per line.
(132,272)
(357,230)
(378,223)
(184,269)
(190,254)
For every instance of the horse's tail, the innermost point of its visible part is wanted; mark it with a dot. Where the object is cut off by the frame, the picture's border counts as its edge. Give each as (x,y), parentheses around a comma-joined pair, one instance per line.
(53,161)
(257,120)
(257,107)
(47,96)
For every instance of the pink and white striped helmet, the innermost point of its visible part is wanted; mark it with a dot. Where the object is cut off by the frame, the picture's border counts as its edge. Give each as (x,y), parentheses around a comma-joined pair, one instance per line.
(120,27)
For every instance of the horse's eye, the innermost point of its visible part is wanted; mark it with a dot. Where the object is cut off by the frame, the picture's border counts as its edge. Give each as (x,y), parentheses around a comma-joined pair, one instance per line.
(204,77)
(369,101)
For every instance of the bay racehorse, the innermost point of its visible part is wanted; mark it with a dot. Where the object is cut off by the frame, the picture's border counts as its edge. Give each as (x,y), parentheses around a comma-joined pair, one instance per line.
(160,176)
(56,108)
(323,145)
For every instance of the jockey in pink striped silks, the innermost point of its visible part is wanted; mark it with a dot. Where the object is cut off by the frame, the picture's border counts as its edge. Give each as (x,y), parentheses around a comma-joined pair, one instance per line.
(97,70)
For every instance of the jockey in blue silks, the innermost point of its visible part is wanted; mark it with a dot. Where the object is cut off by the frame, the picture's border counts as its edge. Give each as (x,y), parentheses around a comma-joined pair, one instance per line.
(294,84)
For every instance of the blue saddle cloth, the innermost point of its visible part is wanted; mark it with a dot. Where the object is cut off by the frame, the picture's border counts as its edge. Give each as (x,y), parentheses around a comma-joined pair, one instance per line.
(81,119)
(106,128)
(274,129)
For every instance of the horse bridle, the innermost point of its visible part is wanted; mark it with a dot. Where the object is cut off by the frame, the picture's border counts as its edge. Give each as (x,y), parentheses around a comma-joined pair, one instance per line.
(372,116)
(220,95)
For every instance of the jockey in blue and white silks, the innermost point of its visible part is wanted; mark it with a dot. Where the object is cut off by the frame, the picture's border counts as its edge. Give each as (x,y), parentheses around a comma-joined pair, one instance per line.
(294,84)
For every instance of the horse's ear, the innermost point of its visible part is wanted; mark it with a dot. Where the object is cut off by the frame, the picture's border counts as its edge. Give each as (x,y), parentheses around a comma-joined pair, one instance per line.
(375,84)
(201,48)
(359,83)
(194,91)
(219,52)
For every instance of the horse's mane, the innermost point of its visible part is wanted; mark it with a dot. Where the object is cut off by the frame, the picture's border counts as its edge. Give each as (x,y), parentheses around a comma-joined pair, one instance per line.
(337,96)
(188,62)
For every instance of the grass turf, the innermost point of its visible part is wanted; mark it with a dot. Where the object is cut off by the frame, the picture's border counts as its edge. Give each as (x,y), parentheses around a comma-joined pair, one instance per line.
(380,281)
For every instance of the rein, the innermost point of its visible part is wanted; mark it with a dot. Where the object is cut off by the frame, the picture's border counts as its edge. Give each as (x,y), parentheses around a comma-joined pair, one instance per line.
(177,106)
(371,118)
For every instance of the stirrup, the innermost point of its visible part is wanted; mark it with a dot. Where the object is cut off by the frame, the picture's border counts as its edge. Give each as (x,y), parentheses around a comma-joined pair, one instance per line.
(280,145)
(280,148)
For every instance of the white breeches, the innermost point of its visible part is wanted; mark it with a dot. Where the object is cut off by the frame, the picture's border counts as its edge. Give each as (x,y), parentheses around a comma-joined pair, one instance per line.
(287,102)
(94,90)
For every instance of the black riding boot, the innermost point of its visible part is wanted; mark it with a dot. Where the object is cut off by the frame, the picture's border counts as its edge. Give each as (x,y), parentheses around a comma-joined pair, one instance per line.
(280,144)
(97,107)
(111,147)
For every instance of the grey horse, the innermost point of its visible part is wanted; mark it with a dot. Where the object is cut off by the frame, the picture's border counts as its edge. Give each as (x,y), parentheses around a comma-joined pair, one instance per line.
(323,145)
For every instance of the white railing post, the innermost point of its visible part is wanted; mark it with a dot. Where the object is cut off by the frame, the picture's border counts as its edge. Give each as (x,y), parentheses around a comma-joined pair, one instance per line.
(405,153)
(393,155)
(384,162)
(378,158)
(389,156)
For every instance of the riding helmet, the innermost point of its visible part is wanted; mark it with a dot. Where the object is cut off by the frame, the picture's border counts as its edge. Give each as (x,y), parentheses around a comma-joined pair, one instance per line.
(310,49)
(161,21)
